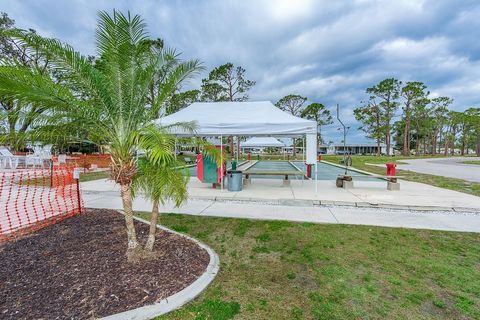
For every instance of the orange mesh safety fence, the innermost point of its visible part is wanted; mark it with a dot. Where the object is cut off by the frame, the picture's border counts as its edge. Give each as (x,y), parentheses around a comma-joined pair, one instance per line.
(31,199)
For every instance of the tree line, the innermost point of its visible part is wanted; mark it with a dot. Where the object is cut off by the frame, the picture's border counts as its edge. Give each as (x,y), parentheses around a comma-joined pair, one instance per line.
(419,123)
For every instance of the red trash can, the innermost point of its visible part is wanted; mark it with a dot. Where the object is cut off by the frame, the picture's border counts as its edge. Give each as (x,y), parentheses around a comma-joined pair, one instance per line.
(319,157)
(391,169)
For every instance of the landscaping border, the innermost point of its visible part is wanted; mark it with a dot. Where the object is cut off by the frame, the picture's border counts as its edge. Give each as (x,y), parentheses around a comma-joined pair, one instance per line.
(180,298)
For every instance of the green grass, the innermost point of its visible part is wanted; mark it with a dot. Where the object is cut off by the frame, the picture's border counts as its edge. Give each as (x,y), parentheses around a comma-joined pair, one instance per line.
(283,270)
(360,162)
(472,162)
(88,176)
(94,175)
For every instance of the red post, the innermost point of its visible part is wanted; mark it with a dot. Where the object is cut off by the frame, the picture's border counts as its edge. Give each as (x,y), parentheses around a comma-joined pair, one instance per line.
(249,156)
(309,170)
(390,169)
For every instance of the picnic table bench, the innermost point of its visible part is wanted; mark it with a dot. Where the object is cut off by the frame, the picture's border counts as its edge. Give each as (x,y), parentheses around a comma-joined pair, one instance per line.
(346,181)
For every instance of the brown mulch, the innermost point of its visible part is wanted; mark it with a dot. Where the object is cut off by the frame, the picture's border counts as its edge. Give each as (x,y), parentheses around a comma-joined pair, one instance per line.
(77,269)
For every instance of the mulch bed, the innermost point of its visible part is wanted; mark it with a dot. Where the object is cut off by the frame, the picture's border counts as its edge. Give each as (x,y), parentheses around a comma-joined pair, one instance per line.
(77,269)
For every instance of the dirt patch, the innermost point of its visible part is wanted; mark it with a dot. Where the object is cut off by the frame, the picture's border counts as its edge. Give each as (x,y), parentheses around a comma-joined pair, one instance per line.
(77,269)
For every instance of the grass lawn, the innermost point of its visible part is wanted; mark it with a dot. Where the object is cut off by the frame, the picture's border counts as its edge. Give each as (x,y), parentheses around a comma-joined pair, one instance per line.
(94,175)
(283,270)
(359,162)
(472,162)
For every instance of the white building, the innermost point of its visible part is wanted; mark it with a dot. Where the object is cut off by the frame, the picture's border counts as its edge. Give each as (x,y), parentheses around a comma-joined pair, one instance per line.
(353,148)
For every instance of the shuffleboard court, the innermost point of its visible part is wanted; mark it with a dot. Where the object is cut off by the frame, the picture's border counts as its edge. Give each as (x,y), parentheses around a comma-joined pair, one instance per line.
(274,170)
(329,172)
(325,170)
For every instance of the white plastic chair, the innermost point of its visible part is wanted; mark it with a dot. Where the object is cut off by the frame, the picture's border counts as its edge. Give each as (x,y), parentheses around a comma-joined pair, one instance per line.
(40,154)
(62,158)
(8,159)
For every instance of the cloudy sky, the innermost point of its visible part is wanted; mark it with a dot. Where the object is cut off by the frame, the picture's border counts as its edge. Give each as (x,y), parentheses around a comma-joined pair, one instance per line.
(328,51)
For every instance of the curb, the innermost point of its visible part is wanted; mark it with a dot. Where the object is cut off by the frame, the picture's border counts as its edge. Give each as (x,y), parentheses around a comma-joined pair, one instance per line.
(180,298)
(327,203)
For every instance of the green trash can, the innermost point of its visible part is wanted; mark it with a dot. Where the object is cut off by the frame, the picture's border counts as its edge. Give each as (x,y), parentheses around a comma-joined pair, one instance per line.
(234,165)
(234,180)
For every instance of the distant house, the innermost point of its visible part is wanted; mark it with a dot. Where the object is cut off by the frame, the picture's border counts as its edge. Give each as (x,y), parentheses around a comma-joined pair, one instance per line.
(353,148)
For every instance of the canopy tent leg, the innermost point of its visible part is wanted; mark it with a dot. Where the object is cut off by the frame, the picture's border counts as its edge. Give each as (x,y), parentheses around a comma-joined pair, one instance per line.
(238,148)
(303,149)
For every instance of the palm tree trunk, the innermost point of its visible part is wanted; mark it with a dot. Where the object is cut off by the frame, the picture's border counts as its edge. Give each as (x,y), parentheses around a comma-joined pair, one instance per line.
(153,227)
(406,133)
(126,193)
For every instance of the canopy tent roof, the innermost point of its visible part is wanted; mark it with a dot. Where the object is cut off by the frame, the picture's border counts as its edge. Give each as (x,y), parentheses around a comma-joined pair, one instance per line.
(255,118)
(262,142)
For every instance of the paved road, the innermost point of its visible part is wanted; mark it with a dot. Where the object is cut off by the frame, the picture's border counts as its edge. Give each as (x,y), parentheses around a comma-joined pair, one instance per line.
(434,220)
(447,167)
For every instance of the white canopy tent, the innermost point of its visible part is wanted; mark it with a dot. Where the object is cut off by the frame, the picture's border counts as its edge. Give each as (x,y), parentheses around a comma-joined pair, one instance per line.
(255,118)
(262,142)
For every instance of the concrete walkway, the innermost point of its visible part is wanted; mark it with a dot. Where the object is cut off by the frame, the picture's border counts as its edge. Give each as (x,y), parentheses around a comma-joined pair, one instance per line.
(364,194)
(104,194)
(448,167)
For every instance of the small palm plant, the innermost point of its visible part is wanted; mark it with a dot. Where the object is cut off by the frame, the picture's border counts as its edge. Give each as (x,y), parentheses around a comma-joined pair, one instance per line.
(160,182)
(109,102)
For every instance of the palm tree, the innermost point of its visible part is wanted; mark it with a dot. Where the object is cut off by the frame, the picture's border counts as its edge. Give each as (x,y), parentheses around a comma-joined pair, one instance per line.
(160,182)
(110,100)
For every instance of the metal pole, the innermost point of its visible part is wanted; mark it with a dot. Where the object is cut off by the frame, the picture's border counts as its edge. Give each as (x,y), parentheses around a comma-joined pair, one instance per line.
(344,139)
(303,149)
(238,148)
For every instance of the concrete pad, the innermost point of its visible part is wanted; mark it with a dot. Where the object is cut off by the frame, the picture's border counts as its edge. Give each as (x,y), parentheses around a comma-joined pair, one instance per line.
(302,211)
(448,167)
(100,185)
(347,184)
(393,186)
(406,219)
(266,212)
(373,193)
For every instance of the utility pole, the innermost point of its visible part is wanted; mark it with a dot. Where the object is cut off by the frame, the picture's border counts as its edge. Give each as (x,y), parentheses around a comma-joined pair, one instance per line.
(345,129)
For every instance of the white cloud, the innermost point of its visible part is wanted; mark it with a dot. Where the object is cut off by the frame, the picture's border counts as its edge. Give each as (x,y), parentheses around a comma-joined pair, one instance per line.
(329,51)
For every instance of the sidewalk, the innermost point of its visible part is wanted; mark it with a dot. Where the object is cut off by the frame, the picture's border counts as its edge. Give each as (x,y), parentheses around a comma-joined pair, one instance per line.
(295,210)
(365,194)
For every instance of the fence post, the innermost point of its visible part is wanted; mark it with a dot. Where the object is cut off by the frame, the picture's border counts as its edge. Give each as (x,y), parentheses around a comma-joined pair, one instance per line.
(51,173)
(76,176)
